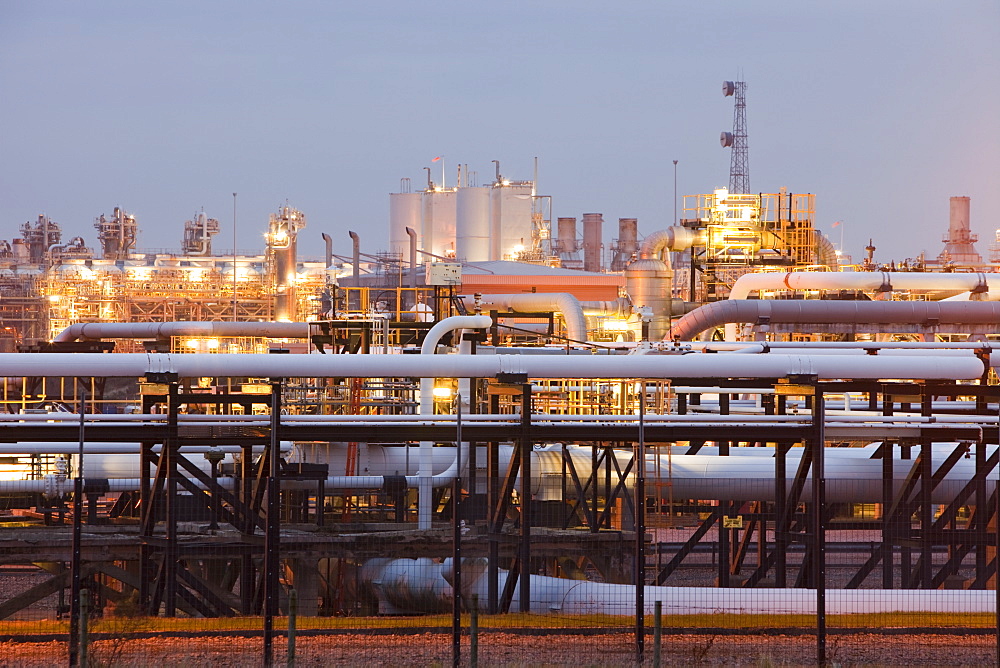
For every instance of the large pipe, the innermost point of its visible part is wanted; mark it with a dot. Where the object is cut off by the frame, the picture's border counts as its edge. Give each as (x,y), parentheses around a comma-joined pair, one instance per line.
(133,365)
(425,475)
(531,302)
(868,281)
(854,476)
(747,473)
(669,239)
(94,331)
(409,586)
(917,316)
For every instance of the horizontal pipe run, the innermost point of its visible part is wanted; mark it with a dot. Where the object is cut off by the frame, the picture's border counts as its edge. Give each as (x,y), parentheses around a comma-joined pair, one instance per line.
(812,346)
(94,331)
(871,281)
(926,317)
(853,476)
(413,586)
(133,365)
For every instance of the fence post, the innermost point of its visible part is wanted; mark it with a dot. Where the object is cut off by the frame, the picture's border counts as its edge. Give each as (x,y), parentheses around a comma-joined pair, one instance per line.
(639,460)
(818,444)
(657,632)
(293,611)
(82,659)
(474,633)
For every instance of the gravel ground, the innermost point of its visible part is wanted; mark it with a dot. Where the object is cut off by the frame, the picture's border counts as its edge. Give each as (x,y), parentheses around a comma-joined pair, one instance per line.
(503,649)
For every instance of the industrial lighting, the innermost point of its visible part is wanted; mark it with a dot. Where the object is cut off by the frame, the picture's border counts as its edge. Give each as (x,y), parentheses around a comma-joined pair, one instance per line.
(615,325)
(442,392)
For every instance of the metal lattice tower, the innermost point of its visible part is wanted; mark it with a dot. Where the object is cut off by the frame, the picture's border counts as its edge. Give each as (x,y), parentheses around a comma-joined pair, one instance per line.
(739,166)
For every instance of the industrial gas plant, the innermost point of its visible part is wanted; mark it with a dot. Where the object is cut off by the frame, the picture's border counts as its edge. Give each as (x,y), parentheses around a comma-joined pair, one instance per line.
(500,403)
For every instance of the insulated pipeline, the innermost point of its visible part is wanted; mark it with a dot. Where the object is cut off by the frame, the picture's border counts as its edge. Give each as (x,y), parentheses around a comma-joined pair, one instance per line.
(924,366)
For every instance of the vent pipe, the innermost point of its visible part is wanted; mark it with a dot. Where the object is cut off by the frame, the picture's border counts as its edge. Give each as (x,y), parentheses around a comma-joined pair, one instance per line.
(413,256)
(329,250)
(356,240)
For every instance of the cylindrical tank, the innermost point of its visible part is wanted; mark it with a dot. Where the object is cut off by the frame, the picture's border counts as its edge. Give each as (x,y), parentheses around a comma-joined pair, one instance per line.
(472,224)
(510,219)
(628,244)
(648,284)
(404,211)
(593,224)
(438,222)
(282,233)
(20,250)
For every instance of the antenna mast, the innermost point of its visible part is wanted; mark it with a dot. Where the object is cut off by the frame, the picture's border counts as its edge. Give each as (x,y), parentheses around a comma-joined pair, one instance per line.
(739,166)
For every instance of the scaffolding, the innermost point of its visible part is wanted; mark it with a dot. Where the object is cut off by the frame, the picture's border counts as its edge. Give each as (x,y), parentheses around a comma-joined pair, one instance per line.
(742,232)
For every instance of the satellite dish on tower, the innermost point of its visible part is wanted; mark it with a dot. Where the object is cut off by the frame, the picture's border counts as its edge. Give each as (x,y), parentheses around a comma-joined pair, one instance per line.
(726,139)
(728,88)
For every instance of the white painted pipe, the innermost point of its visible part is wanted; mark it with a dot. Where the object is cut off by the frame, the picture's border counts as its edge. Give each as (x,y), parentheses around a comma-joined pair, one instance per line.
(745,474)
(29,448)
(816,313)
(858,280)
(816,346)
(414,586)
(529,302)
(93,331)
(132,365)
(428,348)
(670,239)
(765,347)
(991,295)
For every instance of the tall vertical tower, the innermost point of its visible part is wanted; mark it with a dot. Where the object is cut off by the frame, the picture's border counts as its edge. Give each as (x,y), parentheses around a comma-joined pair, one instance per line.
(960,242)
(282,233)
(739,165)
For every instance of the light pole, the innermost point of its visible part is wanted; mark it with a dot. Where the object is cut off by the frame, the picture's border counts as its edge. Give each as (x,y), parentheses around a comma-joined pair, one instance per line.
(675,192)
(234,257)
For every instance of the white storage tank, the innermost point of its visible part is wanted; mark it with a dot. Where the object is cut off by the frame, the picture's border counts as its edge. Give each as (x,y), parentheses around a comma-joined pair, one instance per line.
(510,219)
(404,211)
(437,222)
(472,235)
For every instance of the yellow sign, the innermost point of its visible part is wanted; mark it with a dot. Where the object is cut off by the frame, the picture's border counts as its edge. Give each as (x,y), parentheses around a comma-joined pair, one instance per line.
(732,522)
(795,390)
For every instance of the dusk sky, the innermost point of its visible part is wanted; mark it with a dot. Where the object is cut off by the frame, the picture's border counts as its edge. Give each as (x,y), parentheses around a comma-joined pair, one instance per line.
(882,109)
